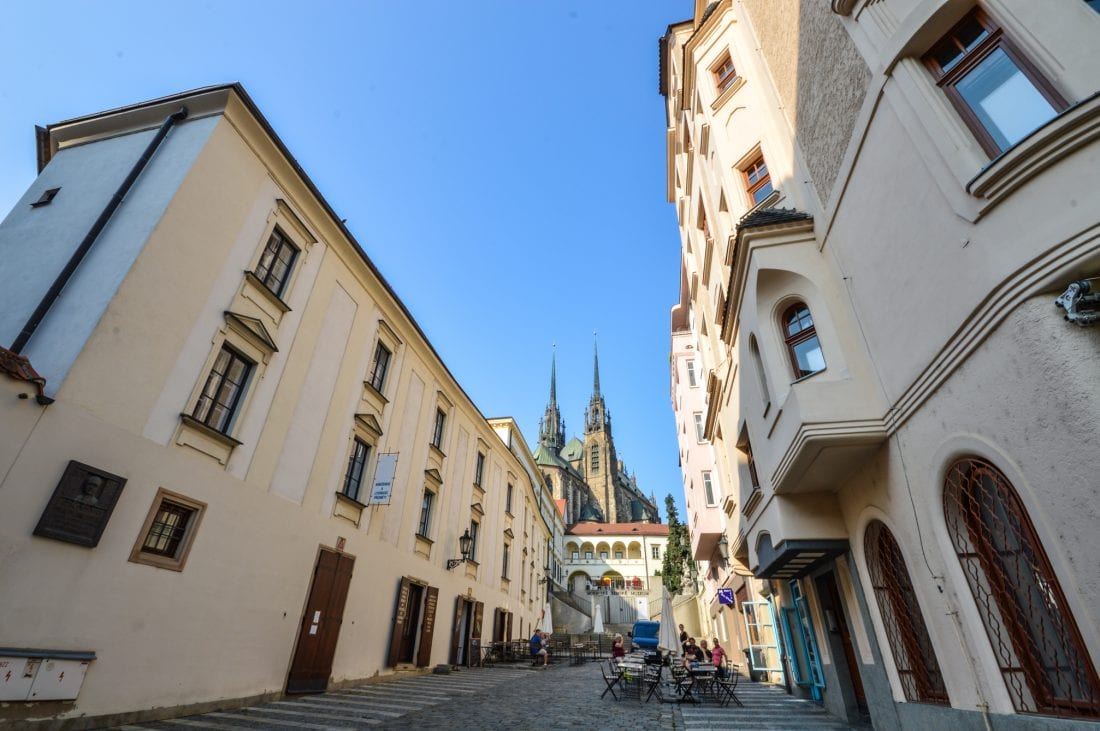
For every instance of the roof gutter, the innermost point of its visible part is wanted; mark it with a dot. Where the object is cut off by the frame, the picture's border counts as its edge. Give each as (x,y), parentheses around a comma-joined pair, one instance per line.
(100,223)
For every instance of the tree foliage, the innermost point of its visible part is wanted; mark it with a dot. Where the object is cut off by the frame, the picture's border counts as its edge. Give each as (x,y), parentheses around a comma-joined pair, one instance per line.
(677,552)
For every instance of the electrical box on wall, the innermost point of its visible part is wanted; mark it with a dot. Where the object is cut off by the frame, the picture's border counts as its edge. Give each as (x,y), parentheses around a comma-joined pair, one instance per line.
(42,675)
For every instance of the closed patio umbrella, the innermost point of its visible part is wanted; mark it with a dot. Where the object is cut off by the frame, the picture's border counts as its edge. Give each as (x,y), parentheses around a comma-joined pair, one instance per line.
(547,623)
(667,638)
(597,620)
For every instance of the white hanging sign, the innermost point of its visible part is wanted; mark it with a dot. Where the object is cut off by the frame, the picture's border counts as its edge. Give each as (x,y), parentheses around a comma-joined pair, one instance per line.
(384,471)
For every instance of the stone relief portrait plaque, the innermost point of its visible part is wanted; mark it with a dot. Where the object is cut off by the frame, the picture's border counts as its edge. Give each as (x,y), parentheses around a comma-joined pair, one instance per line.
(81,505)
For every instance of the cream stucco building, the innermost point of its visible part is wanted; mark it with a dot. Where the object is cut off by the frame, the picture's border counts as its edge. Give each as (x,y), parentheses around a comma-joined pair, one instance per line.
(231,463)
(890,236)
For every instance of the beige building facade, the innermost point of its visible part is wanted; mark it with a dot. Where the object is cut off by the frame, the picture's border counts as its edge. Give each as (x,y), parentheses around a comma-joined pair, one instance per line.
(890,241)
(232,464)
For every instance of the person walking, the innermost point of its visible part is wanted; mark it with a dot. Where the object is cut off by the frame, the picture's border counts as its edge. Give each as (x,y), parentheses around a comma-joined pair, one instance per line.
(538,648)
(718,657)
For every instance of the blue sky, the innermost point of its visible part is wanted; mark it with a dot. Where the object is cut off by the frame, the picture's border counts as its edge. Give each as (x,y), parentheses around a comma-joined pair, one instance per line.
(501,162)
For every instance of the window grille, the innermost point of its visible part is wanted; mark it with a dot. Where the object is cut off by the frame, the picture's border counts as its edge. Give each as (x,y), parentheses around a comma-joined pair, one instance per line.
(914,656)
(1039,649)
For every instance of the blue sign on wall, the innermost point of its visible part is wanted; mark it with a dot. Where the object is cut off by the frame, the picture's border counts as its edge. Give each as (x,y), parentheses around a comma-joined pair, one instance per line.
(725,596)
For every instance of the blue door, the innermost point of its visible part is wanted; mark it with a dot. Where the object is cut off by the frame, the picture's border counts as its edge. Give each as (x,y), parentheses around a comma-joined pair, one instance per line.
(808,640)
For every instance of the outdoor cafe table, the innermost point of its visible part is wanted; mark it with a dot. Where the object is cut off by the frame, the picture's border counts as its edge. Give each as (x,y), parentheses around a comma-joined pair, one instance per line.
(633,669)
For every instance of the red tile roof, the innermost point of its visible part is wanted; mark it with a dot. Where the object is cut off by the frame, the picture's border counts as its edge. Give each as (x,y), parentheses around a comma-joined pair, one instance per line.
(561,507)
(617,529)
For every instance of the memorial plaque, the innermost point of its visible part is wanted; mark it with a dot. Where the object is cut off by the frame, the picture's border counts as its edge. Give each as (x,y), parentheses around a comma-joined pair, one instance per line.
(81,505)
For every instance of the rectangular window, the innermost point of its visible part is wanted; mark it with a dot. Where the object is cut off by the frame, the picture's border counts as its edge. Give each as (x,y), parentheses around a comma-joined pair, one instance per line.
(357,464)
(603,555)
(588,555)
(474,527)
(479,469)
(168,532)
(437,432)
(692,380)
(657,552)
(508,499)
(700,427)
(758,181)
(708,489)
(221,394)
(752,467)
(382,357)
(425,523)
(576,555)
(276,262)
(618,554)
(504,563)
(997,91)
(724,73)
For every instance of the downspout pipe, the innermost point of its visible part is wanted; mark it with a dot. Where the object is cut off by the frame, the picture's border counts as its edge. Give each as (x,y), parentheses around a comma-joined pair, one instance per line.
(81,251)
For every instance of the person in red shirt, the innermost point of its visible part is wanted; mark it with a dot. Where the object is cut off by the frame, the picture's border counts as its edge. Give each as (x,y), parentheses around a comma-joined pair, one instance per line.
(718,657)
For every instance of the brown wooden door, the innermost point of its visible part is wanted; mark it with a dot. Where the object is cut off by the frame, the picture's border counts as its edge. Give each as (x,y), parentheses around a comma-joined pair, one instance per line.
(456,629)
(830,602)
(399,616)
(407,648)
(427,628)
(508,628)
(320,626)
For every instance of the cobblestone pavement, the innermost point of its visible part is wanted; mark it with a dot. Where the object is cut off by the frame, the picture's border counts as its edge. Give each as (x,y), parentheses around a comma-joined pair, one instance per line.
(507,697)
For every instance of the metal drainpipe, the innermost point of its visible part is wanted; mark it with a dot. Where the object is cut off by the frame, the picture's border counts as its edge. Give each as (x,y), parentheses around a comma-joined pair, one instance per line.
(81,251)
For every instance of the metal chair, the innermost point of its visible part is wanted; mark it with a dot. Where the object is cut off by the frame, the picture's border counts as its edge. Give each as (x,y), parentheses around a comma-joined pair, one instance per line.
(612,676)
(725,688)
(651,680)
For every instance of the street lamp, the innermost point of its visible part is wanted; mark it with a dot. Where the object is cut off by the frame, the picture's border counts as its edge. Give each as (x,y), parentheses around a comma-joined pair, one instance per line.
(724,548)
(465,543)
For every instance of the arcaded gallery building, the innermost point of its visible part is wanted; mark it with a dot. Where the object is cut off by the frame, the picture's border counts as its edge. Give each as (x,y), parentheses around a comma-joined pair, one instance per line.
(890,252)
(233,466)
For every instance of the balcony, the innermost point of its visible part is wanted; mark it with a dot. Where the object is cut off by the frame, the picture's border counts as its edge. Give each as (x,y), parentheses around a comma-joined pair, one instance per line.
(707,528)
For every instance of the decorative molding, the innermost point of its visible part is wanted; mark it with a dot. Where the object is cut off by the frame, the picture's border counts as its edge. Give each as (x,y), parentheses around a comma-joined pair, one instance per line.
(193,423)
(370,424)
(432,475)
(726,95)
(287,213)
(264,290)
(1071,130)
(252,330)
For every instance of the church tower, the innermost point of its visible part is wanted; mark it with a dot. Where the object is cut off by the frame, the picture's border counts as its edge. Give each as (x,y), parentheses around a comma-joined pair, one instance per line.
(551,426)
(600,460)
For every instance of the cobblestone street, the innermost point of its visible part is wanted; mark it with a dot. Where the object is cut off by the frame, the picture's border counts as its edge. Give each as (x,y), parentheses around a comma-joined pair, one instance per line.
(519,697)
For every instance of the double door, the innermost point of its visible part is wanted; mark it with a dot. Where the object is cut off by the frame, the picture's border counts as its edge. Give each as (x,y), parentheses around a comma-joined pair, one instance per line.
(320,626)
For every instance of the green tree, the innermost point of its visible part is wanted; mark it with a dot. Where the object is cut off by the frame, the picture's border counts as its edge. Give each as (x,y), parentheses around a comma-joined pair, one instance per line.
(677,552)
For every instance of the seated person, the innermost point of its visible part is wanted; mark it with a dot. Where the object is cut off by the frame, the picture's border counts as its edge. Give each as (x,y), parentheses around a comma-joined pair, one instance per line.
(538,648)
(692,653)
(705,649)
(617,649)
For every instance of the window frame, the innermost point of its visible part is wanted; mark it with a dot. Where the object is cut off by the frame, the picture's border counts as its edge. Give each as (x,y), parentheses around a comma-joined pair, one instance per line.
(356,443)
(509,492)
(424,522)
(693,379)
(242,388)
(700,426)
(475,529)
(439,429)
(995,39)
(178,559)
(708,488)
(804,335)
(377,380)
(479,469)
(285,241)
(505,560)
(723,82)
(751,188)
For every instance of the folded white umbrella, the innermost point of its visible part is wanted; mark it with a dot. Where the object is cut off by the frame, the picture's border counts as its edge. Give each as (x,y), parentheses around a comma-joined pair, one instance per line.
(667,638)
(597,620)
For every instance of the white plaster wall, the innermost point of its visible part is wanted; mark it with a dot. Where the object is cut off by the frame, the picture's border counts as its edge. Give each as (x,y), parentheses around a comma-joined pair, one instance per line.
(35,243)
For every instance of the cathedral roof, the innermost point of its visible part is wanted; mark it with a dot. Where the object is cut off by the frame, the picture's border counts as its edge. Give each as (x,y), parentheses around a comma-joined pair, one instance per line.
(573,450)
(546,456)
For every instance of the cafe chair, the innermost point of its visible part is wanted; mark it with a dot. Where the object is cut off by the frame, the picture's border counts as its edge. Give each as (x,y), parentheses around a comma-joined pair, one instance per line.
(612,676)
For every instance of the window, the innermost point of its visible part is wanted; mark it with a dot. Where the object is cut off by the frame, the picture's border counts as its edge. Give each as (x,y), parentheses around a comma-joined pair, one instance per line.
(618,554)
(504,563)
(357,462)
(576,555)
(46,197)
(1044,662)
(479,469)
(657,552)
(382,357)
(708,489)
(603,555)
(758,181)
(221,395)
(914,656)
(276,262)
(425,523)
(437,432)
(724,73)
(168,531)
(700,427)
(692,380)
(474,527)
(595,458)
(508,499)
(999,94)
(801,338)
(588,555)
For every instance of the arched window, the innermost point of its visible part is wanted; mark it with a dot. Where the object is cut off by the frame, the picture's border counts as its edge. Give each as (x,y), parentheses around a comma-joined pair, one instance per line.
(1039,649)
(914,656)
(801,338)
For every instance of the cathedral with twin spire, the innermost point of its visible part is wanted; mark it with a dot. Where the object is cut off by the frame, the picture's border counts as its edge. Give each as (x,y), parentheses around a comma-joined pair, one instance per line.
(588,475)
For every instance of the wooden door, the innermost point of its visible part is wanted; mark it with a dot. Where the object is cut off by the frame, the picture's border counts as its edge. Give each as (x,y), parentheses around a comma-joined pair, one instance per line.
(320,626)
(400,616)
(427,627)
(830,604)
(456,631)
